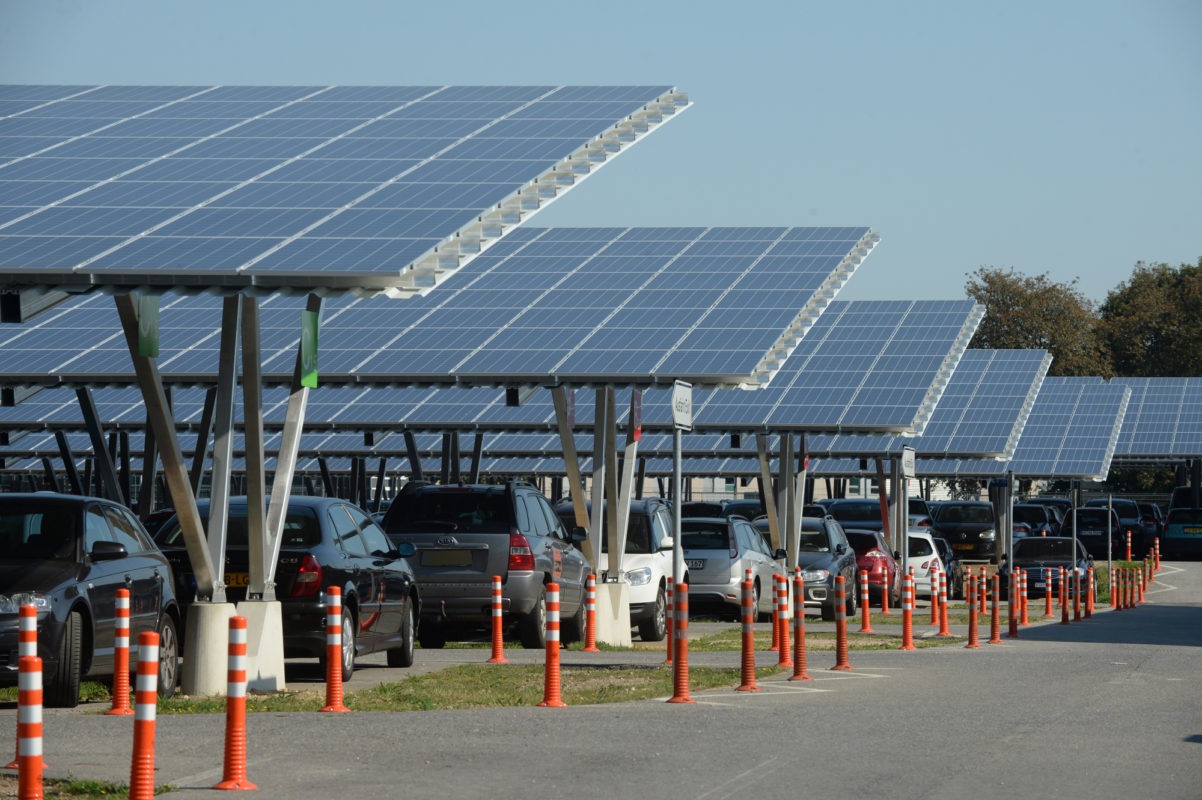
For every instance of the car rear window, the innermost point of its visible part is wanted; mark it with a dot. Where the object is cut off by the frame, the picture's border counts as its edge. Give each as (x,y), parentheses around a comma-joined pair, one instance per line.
(37,531)
(1091,517)
(861,542)
(1041,547)
(469,511)
(964,512)
(704,535)
(301,531)
(1035,514)
(920,547)
(1185,516)
(856,512)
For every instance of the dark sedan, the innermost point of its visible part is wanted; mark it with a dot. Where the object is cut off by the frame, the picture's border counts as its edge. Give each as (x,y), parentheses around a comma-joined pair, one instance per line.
(326,542)
(969,527)
(1131,520)
(1091,525)
(67,556)
(1041,558)
(1039,519)
(823,555)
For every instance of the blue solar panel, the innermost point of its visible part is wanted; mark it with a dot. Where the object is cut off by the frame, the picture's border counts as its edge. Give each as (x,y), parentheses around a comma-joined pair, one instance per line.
(117,185)
(1163,421)
(544,306)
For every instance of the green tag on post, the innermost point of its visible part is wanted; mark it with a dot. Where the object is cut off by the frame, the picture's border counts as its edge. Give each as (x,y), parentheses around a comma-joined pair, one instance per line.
(148,326)
(308,349)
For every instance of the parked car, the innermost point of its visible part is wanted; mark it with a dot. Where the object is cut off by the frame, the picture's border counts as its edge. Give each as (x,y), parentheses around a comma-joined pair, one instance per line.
(1183,497)
(701,508)
(859,514)
(1091,530)
(920,514)
(924,560)
(1153,519)
(953,566)
(466,534)
(1061,506)
(1182,533)
(647,560)
(970,527)
(824,553)
(325,542)
(717,552)
(1039,519)
(1042,557)
(1131,520)
(156,519)
(748,509)
(67,556)
(873,556)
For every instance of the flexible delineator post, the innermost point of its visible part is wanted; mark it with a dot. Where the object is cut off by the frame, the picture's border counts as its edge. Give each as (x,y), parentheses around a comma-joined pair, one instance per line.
(590,615)
(1128,558)
(680,670)
(121,656)
(1076,595)
(943,628)
(982,584)
(1114,588)
(799,629)
(865,619)
(498,624)
(907,613)
(670,646)
(551,678)
(841,660)
(29,728)
(775,614)
(233,774)
(141,772)
(1048,583)
(1089,592)
(334,650)
(1156,552)
(748,640)
(885,589)
(27,647)
(971,594)
(934,596)
(995,618)
(782,605)
(1022,579)
(1012,600)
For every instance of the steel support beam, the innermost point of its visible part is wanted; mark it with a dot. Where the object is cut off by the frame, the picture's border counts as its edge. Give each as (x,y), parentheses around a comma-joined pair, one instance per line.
(378,495)
(223,440)
(202,441)
(766,490)
(256,473)
(477,452)
(596,522)
(150,459)
(106,473)
(415,461)
(64,448)
(48,476)
(572,468)
(327,480)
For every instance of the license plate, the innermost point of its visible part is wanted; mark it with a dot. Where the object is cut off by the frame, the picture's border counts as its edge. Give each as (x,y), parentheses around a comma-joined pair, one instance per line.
(1192,531)
(695,563)
(962,547)
(446,558)
(237,579)
(1090,533)
(1039,584)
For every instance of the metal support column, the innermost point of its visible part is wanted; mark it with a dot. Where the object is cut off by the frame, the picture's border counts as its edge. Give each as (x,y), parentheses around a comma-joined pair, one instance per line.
(327,480)
(901,521)
(381,475)
(477,452)
(48,476)
(766,490)
(256,473)
(415,461)
(223,440)
(150,464)
(572,468)
(106,473)
(64,448)
(202,441)
(598,499)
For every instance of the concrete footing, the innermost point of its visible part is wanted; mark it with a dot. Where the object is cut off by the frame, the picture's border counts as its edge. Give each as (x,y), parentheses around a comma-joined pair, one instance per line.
(613,614)
(206,649)
(264,645)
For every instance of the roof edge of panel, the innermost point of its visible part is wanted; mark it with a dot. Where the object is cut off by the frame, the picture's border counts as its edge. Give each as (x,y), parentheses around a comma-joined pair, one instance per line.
(950,362)
(1016,433)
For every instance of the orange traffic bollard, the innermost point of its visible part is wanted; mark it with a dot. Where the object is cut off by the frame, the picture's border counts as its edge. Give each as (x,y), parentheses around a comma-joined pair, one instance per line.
(934,596)
(590,615)
(799,629)
(1114,588)
(1012,599)
(1138,573)
(1156,552)
(943,629)
(865,620)
(29,728)
(981,586)
(498,624)
(1128,558)
(748,662)
(782,602)
(885,589)
(775,614)
(27,647)
(1022,581)
(995,620)
(233,774)
(1049,583)
(121,657)
(1064,583)
(841,661)
(141,771)
(671,637)
(680,670)
(908,613)
(1089,593)
(971,595)
(551,678)
(1076,594)
(334,650)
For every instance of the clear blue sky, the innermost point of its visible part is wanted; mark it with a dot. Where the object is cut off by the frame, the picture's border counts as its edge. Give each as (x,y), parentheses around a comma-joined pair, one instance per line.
(1063,137)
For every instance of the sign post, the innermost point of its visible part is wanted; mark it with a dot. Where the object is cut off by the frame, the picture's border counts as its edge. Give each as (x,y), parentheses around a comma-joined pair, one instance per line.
(682,420)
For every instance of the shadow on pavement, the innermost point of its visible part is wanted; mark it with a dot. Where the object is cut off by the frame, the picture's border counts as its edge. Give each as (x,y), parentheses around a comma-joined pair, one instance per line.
(1178,626)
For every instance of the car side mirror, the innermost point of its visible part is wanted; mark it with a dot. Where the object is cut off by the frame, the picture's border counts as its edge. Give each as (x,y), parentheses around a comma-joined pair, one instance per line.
(896,554)
(406,550)
(840,549)
(107,551)
(780,554)
(667,543)
(579,534)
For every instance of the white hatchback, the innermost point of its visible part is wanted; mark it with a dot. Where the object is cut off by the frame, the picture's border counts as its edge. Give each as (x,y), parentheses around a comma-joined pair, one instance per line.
(924,560)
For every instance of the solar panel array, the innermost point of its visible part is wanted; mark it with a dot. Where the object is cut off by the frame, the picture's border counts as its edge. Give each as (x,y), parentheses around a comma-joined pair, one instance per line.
(289,188)
(981,414)
(1164,420)
(545,305)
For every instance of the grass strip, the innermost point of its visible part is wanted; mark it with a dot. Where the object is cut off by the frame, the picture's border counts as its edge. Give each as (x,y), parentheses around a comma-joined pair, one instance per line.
(57,788)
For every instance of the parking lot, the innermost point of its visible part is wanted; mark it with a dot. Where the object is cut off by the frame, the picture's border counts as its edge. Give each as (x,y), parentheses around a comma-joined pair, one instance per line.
(1102,708)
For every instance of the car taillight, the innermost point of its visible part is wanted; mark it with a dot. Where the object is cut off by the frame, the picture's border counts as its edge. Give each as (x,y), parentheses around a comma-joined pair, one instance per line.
(874,554)
(521,557)
(925,522)
(734,553)
(308,578)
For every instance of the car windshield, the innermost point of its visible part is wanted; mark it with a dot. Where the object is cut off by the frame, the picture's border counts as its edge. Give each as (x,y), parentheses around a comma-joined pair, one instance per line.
(1034,514)
(37,532)
(701,535)
(965,512)
(815,542)
(920,547)
(300,531)
(638,531)
(1186,516)
(1042,548)
(467,510)
(861,542)
(1091,517)
(856,512)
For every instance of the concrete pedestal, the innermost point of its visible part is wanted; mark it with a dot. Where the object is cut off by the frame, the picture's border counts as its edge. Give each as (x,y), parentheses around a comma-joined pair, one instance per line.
(613,614)
(264,645)
(206,649)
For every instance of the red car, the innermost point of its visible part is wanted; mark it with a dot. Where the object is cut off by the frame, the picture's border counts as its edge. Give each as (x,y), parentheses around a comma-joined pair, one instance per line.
(874,556)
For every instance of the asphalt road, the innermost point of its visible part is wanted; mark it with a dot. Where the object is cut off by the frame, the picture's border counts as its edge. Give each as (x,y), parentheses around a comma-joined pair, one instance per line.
(1105,708)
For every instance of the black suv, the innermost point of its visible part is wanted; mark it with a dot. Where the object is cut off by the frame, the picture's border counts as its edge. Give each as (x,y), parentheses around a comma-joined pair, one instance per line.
(466,534)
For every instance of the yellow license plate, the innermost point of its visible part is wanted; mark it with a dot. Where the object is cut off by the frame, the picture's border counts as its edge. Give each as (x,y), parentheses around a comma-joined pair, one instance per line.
(962,547)
(237,580)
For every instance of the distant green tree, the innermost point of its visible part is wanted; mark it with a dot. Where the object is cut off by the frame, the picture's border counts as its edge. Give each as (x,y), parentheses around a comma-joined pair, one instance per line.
(1152,322)
(1025,312)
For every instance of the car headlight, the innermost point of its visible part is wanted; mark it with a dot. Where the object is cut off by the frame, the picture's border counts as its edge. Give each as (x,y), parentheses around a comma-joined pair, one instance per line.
(639,577)
(815,575)
(11,603)
(987,535)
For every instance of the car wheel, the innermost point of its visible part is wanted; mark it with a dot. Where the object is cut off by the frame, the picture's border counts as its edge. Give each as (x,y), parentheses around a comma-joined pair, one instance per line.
(656,628)
(828,612)
(850,601)
(532,628)
(62,691)
(574,630)
(403,655)
(168,657)
(348,645)
(431,636)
